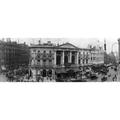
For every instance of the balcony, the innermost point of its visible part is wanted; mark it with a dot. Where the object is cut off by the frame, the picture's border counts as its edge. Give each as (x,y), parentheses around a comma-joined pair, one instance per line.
(41,66)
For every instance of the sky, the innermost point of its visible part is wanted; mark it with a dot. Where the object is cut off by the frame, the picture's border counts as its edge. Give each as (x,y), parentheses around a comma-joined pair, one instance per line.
(79,42)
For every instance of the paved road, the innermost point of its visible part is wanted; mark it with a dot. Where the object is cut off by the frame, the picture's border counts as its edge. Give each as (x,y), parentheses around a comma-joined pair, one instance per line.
(111,72)
(3,78)
(109,79)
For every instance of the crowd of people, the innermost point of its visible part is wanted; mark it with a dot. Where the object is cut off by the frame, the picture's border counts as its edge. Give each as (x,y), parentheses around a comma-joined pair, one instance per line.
(86,74)
(18,74)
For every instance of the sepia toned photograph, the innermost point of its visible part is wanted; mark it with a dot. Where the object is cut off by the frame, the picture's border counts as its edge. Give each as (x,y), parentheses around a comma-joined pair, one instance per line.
(59,60)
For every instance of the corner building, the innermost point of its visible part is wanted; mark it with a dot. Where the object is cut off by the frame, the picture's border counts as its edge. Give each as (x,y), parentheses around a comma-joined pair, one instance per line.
(48,59)
(13,55)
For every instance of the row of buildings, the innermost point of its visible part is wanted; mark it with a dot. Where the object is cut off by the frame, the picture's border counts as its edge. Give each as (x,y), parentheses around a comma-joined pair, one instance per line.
(13,55)
(48,59)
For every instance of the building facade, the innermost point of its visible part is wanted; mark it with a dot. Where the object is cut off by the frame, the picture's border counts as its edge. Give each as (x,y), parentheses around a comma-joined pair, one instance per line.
(48,59)
(1,55)
(119,49)
(13,55)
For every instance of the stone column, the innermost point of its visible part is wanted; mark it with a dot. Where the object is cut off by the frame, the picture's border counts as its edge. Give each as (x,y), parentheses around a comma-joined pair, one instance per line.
(63,58)
(54,58)
(76,59)
(70,57)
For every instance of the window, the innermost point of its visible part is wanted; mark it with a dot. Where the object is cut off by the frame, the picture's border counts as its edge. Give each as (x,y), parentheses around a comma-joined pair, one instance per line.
(79,61)
(94,58)
(44,61)
(38,57)
(50,61)
(86,61)
(83,61)
(50,54)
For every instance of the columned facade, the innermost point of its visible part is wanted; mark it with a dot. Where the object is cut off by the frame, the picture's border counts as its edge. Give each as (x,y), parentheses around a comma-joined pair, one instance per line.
(64,57)
(50,60)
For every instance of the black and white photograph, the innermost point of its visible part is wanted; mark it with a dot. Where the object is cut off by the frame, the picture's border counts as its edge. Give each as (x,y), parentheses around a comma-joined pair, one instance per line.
(59,60)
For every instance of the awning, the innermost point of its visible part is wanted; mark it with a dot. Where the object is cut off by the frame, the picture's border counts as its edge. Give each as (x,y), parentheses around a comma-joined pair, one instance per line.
(73,70)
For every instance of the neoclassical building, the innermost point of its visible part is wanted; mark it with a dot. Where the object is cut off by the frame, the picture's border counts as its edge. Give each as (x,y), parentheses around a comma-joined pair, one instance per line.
(48,59)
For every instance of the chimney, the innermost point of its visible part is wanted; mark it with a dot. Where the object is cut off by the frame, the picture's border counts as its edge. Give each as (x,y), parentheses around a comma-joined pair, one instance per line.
(39,42)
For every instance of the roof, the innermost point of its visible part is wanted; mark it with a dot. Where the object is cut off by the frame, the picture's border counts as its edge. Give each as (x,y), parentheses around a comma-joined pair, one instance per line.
(68,45)
(42,46)
(62,46)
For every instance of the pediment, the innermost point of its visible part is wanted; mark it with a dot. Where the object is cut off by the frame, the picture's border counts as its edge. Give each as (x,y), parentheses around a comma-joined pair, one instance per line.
(68,45)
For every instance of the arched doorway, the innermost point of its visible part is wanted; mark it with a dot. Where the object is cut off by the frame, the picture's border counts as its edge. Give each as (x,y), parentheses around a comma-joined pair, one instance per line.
(44,73)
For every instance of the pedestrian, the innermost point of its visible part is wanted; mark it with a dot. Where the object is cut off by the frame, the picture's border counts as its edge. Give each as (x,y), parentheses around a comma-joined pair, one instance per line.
(115,77)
